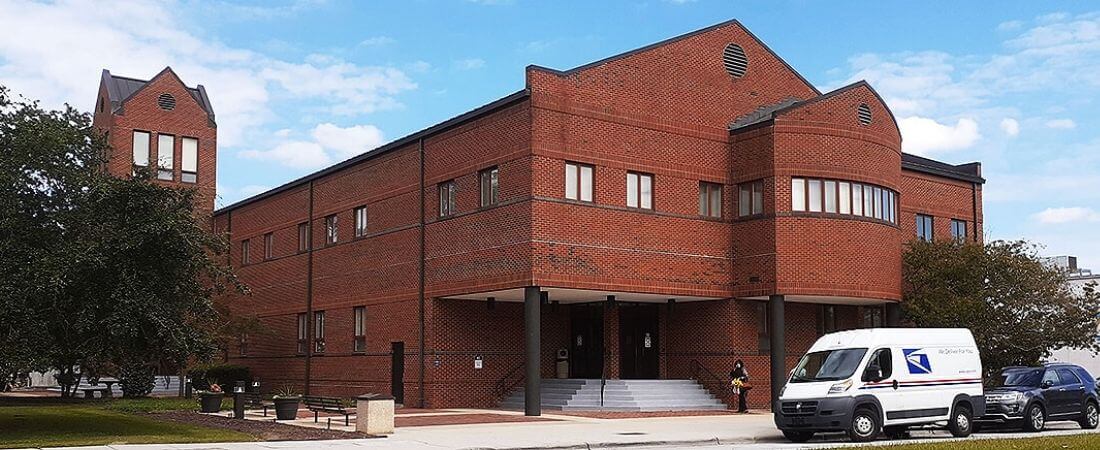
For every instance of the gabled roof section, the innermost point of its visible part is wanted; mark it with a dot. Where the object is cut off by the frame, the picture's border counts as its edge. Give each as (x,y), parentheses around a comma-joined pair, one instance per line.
(969,172)
(120,89)
(468,116)
(768,113)
(674,39)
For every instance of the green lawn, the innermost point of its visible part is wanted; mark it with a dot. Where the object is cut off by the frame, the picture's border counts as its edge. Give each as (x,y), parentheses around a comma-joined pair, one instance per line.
(1071,442)
(99,423)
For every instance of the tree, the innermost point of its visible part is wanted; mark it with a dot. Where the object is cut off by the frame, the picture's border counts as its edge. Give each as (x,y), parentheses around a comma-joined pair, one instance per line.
(100,273)
(1019,309)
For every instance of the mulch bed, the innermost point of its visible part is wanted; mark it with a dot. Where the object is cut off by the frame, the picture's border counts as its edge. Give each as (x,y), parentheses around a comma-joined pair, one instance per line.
(464,419)
(266,431)
(641,415)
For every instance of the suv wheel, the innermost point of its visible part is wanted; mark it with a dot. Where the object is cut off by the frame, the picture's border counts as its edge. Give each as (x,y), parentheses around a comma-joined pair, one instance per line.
(798,436)
(961,424)
(1035,419)
(1091,417)
(864,426)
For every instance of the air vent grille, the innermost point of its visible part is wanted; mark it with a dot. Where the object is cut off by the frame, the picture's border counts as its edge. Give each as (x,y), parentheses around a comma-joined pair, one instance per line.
(864,114)
(166,102)
(735,61)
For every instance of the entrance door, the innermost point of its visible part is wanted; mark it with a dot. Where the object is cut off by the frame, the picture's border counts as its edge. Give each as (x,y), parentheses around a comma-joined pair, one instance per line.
(638,347)
(397,372)
(586,341)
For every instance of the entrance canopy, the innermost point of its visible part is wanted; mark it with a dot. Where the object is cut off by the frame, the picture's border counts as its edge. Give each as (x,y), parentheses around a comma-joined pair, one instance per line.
(566,296)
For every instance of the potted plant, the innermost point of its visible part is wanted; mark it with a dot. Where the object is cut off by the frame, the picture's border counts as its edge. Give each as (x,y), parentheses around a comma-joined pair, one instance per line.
(210,400)
(286,403)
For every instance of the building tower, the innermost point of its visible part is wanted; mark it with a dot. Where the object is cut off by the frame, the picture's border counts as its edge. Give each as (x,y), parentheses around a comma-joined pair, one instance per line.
(163,123)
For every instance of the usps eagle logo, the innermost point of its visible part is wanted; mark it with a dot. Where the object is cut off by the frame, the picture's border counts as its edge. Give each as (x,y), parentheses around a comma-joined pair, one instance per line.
(917,360)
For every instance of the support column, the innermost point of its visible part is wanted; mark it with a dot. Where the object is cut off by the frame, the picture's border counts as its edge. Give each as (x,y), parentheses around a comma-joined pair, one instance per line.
(776,331)
(532,329)
(893,314)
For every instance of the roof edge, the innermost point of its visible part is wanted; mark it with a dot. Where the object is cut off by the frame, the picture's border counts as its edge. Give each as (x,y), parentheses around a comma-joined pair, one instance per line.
(970,172)
(675,39)
(460,119)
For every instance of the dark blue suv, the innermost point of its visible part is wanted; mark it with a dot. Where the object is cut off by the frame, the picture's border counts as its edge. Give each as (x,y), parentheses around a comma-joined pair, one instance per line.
(1032,396)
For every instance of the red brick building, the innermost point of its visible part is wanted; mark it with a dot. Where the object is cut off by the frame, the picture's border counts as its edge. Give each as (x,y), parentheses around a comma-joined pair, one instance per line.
(160,125)
(658,213)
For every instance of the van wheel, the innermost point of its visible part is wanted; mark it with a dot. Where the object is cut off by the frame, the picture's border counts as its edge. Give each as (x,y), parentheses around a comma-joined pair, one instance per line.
(864,426)
(1091,417)
(962,422)
(798,436)
(896,432)
(1035,419)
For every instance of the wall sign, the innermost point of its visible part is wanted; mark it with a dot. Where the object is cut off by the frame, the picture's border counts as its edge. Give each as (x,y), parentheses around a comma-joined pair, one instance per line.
(477,362)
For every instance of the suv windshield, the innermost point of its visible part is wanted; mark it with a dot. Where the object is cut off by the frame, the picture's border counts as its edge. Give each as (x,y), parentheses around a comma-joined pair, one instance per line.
(1022,377)
(829,365)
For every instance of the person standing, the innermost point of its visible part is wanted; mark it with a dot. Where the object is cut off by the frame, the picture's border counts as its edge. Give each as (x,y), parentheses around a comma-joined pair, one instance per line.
(739,384)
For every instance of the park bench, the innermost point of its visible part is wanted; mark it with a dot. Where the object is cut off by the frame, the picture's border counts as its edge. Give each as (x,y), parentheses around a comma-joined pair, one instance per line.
(329,405)
(254,400)
(89,391)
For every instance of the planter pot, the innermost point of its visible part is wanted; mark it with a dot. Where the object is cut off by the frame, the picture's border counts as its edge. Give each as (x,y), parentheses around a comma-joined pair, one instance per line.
(210,403)
(286,408)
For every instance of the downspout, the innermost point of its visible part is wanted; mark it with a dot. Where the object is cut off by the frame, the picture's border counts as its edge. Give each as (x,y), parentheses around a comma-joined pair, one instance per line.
(420,373)
(309,289)
(974,207)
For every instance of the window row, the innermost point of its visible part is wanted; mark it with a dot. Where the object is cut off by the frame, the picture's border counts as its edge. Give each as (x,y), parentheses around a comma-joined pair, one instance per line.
(358,338)
(926,228)
(844,197)
(488,192)
(332,235)
(166,144)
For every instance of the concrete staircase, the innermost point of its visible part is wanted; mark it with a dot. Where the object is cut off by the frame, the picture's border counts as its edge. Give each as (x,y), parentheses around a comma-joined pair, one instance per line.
(619,395)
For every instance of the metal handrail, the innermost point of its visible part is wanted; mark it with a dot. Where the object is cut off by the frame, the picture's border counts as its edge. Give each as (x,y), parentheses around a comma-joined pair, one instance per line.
(503,386)
(697,369)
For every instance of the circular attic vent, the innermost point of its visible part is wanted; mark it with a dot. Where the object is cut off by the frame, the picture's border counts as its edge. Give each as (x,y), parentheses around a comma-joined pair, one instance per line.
(166,102)
(864,114)
(735,61)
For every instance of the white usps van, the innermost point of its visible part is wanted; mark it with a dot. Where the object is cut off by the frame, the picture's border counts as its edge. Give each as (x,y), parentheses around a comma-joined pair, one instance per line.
(883,379)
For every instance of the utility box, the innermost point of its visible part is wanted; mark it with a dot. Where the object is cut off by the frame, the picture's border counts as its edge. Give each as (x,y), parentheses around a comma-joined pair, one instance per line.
(563,363)
(374,414)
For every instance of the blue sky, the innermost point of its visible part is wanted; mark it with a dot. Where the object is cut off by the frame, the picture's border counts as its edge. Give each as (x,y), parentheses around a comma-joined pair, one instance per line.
(299,85)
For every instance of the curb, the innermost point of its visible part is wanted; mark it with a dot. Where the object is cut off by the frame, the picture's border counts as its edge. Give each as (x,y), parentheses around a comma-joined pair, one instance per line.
(611,445)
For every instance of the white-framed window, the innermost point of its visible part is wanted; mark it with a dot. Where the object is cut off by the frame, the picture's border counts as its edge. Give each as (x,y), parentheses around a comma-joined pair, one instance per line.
(269,245)
(189,167)
(303,237)
(360,221)
(318,331)
(141,148)
(815,195)
(359,316)
(303,333)
(448,193)
(246,257)
(579,182)
(798,194)
(830,196)
(332,230)
(958,229)
(710,199)
(925,227)
(857,199)
(166,146)
(750,200)
(845,205)
(639,190)
(490,186)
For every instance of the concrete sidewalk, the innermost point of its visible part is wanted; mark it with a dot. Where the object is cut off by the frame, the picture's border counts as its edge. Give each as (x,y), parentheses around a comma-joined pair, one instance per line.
(740,431)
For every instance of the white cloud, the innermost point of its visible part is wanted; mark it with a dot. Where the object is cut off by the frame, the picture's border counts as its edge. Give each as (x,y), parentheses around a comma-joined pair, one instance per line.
(469,64)
(420,66)
(348,141)
(377,41)
(55,51)
(330,143)
(1061,124)
(1010,126)
(1011,25)
(1052,216)
(298,154)
(922,135)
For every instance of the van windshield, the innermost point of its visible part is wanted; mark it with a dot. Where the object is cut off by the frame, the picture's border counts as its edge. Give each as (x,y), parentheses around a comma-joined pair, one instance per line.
(829,365)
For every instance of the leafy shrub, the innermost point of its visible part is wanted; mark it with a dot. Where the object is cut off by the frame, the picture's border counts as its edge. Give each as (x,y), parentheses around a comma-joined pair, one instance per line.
(226,375)
(136,380)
